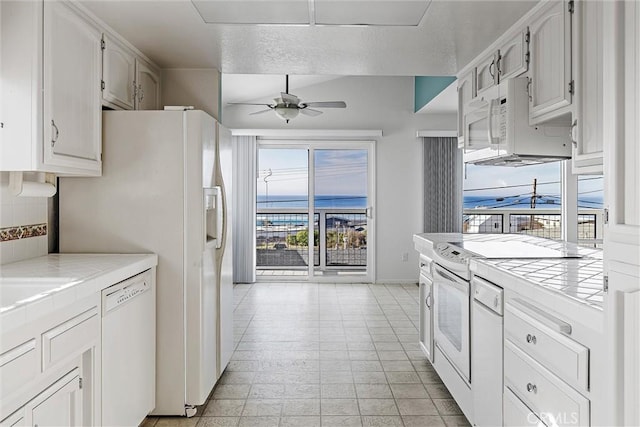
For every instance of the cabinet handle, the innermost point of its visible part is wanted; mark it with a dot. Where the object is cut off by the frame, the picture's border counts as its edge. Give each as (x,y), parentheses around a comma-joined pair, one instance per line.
(427,301)
(529,83)
(531,339)
(55,132)
(531,388)
(491,67)
(572,133)
(140,93)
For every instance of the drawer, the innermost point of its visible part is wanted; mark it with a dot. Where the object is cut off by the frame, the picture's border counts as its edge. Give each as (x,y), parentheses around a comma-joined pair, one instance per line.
(516,413)
(540,338)
(545,394)
(18,366)
(70,337)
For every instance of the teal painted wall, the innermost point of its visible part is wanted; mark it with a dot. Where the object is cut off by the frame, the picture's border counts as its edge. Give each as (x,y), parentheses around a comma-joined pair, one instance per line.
(428,87)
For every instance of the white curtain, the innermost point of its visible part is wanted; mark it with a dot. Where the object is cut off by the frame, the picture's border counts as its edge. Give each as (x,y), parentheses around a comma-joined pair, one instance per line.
(244,204)
(442,185)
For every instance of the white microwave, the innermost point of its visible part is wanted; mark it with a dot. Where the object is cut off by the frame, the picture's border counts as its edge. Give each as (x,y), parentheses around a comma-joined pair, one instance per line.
(497,131)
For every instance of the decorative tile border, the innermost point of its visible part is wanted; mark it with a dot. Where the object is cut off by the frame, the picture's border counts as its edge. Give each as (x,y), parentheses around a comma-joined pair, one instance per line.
(22,232)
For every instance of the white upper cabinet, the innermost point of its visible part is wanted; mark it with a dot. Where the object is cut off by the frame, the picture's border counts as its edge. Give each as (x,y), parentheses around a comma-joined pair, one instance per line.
(51,118)
(466,92)
(587,133)
(147,86)
(118,74)
(550,62)
(486,72)
(513,56)
(129,82)
(72,116)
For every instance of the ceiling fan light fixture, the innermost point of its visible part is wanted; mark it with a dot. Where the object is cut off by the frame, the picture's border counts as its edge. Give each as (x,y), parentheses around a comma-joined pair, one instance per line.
(286,112)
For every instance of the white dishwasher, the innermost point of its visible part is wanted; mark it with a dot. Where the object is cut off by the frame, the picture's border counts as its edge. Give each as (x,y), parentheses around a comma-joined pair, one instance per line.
(128,351)
(486,352)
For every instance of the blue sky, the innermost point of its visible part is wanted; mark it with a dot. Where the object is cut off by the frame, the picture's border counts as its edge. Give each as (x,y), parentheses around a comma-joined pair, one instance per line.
(338,172)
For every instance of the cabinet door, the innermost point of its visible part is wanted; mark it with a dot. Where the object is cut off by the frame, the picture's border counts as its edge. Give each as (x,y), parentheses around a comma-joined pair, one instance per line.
(466,92)
(587,54)
(550,50)
(118,74)
(72,112)
(486,73)
(516,413)
(60,404)
(513,57)
(148,86)
(17,419)
(426,317)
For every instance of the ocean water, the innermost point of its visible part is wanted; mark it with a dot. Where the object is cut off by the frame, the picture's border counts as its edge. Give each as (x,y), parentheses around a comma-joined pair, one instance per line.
(326,202)
(470,202)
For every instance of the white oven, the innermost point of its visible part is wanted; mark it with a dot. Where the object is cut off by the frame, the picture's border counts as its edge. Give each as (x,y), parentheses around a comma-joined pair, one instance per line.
(451,319)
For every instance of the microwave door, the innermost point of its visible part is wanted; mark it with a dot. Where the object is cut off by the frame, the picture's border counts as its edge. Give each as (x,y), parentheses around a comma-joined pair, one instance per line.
(476,124)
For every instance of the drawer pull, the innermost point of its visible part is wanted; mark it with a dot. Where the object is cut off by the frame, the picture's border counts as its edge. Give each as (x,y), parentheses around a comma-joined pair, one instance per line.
(531,339)
(532,388)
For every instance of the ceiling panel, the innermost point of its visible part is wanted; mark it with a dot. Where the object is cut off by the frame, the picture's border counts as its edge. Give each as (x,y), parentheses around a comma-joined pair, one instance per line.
(381,12)
(272,12)
(173,34)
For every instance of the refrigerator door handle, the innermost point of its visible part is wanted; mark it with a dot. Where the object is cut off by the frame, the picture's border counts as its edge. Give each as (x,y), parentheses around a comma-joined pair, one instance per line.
(219,216)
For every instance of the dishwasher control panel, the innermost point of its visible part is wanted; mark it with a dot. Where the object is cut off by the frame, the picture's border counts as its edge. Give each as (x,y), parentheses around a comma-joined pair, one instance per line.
(120,293)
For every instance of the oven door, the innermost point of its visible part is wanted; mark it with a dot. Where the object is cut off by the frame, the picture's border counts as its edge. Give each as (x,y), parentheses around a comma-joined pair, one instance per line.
(451,319)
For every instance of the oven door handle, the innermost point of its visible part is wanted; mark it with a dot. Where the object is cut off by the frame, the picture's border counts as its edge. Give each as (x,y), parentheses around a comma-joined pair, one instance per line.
(450,280)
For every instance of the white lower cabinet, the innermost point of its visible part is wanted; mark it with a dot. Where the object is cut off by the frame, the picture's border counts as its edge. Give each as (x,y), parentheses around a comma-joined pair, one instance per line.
(426,317)
(60,404)
(51,367)
(547,395)
(516,413)
(545,371)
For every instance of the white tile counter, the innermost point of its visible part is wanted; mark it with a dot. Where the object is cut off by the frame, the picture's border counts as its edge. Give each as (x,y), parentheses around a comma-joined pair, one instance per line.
(577,279)
(571,288)
(32,288)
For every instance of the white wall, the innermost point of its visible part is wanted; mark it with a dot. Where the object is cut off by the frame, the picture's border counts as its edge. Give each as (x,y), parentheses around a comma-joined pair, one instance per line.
(23,220)
(372,103)
(196,87)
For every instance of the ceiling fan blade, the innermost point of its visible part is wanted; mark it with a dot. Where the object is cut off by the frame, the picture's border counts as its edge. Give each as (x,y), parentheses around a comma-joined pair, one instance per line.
(326,104)
(310,112)
(247,103)
(260,112)
(287,98)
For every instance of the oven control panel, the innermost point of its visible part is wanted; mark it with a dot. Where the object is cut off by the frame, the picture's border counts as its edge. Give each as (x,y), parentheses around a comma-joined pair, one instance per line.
(452,253)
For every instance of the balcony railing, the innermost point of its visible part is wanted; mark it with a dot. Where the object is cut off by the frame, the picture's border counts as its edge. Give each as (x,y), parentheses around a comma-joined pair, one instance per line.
(535,222)
(282,239)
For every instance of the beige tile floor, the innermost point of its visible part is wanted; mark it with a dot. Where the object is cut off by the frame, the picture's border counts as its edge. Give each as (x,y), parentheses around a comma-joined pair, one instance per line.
(326,355)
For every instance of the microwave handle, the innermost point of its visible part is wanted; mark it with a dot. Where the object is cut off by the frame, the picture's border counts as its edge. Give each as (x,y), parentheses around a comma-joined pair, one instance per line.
(490,121)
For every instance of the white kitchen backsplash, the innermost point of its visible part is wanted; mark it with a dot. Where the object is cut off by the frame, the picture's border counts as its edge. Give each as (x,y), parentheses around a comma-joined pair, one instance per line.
(23,225)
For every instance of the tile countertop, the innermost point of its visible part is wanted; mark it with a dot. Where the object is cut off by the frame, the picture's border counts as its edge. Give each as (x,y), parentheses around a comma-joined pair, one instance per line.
(578,281)
(34,287)
(428,240)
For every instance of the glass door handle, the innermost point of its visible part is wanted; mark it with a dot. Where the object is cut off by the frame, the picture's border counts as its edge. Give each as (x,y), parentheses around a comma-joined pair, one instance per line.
(369,212)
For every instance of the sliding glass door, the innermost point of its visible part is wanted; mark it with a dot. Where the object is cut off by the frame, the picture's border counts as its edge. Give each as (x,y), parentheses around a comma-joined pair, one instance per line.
(327,237)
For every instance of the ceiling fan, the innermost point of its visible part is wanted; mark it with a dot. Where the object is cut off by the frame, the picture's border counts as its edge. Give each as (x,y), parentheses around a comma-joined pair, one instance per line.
(287,106)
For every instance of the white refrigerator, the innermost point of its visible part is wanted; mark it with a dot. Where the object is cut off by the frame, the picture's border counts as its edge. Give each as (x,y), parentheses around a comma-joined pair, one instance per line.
(166,188)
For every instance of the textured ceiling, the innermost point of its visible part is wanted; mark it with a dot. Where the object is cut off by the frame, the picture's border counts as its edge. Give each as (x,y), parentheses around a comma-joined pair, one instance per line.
(173,34)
